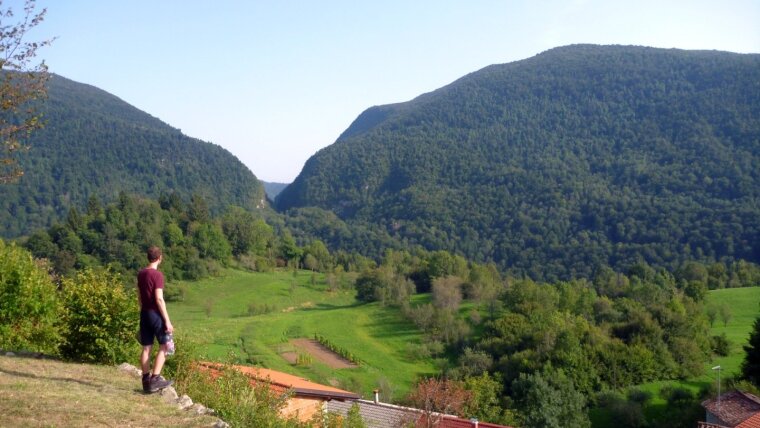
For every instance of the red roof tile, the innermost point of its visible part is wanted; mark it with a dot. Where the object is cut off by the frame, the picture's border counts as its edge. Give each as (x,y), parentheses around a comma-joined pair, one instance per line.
(752,422)
(284,381)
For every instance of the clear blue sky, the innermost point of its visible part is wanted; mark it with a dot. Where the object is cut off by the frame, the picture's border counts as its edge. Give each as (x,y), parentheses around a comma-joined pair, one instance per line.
(275,81)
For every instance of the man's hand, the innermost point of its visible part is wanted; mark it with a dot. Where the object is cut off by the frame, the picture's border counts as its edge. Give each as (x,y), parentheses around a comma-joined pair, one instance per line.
(169,327)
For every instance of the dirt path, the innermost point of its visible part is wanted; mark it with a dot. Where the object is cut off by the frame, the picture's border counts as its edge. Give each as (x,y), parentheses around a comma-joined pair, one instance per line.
(319,352)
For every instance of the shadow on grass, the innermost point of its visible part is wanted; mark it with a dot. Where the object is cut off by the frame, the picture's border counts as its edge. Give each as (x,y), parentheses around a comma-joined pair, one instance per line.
(51,378)
(331,307)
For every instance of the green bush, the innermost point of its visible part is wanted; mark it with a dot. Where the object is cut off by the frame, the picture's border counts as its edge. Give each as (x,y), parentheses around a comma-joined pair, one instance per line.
(720,345)
(28,303)
(100,318)
(231,395)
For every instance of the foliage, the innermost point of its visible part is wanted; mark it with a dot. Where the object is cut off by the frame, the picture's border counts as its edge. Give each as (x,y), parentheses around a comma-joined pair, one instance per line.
(549,399)
(580,157)
(195,244)
(29,305)
(436,397)
(720,345)
(337,349)
(233,397)
(99,318)
(751,363)
(485,402)
(21,84)
(96,145)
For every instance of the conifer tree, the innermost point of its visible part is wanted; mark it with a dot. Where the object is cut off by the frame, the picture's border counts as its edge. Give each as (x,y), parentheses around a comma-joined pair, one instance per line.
(751,363)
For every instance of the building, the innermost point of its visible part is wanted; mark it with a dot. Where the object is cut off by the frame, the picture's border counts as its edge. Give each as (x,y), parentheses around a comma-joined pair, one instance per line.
(734,409)
(376,414)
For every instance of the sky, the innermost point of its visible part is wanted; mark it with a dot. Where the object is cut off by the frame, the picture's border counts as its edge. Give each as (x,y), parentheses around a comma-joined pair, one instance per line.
(275,81)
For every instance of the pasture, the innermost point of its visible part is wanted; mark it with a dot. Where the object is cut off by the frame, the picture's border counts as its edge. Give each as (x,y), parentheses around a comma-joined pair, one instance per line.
(253,318)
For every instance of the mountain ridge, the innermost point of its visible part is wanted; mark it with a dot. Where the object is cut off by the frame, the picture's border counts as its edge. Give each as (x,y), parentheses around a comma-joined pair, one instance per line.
(95,144)
(478,165)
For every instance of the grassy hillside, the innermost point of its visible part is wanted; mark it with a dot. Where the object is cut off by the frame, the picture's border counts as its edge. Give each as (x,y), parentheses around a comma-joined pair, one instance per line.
(46,393)
(215,312)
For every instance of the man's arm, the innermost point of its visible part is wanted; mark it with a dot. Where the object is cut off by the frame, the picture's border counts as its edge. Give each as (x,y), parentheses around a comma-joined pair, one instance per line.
(162,308)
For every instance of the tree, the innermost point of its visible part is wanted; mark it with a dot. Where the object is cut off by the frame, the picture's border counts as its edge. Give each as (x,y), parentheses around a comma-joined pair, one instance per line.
(436,397)
(725,314)
(21,83)
(447,292)
(751,363)
(29,305)
(549,399)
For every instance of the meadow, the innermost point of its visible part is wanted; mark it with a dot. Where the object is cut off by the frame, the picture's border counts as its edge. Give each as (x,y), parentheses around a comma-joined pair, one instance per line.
(251,318)
(744,304)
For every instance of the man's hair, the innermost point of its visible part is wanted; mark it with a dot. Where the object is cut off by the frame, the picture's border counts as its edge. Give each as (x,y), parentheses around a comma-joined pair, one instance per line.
(153,254)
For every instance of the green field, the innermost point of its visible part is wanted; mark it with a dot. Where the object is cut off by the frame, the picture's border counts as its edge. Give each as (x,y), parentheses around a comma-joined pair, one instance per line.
(745,307)
(215,313)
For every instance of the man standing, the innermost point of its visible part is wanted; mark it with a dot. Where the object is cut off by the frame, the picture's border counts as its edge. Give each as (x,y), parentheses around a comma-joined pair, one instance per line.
(154,321)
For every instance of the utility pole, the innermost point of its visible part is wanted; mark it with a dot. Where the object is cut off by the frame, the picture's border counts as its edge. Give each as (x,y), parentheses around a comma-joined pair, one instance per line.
(718,369)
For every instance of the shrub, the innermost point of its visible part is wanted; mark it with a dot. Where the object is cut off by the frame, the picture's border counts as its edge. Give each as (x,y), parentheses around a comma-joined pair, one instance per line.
(28,303)
(100,318)
(175,293)
(720,345)
(231,395)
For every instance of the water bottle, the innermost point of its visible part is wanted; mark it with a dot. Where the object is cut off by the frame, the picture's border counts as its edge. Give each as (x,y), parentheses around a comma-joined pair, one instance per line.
(169,344)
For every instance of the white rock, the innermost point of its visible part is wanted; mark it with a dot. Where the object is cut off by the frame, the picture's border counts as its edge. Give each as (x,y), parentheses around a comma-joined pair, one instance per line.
(184,402)
(169,394)
(221,424)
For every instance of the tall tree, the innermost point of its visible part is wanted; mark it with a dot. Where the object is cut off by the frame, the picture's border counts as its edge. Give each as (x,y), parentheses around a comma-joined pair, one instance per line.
(549,399)
(21,82)
(751,363)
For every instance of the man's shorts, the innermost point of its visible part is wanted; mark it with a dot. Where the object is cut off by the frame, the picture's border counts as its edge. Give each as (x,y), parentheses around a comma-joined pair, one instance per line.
(152,326)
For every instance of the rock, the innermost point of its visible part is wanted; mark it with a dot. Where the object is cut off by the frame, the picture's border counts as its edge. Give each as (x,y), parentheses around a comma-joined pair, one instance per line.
(221,424)
(199,409)
(184,402)
(10,354)
(129,368)
(169,394)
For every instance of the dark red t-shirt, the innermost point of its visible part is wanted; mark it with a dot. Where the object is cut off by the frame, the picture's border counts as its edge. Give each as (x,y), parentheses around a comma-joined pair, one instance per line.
(148,280)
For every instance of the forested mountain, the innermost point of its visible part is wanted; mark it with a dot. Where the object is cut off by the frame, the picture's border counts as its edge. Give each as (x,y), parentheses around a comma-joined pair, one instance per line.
(551,166)
(95,144)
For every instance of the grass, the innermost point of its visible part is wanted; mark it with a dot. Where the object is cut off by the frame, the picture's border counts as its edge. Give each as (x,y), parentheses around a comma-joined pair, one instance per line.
(215,312)
(745,307)
(47,393)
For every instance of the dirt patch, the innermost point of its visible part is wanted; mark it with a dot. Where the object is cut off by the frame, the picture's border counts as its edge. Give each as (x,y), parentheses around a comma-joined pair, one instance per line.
(290,357)
(324,355)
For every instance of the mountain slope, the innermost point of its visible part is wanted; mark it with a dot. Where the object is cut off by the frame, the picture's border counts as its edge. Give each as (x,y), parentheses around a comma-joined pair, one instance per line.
(95,144)
(578,157)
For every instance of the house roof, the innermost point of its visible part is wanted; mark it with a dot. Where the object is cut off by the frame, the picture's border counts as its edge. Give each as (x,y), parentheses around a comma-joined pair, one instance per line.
(282,381)
(384,415)
(752,422)
(736,409)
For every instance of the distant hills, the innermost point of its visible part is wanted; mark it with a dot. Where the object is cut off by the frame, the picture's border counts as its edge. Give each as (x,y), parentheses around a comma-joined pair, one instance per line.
(273,189)
(578,157)
(95,144)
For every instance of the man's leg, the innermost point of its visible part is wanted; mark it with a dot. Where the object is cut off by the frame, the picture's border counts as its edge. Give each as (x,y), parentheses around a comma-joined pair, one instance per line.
(145,365)
(145,359)
(157,381)
(160,359)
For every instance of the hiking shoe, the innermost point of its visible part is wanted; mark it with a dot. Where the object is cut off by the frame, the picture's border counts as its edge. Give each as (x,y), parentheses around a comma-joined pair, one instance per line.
(158,383)
(146,383)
